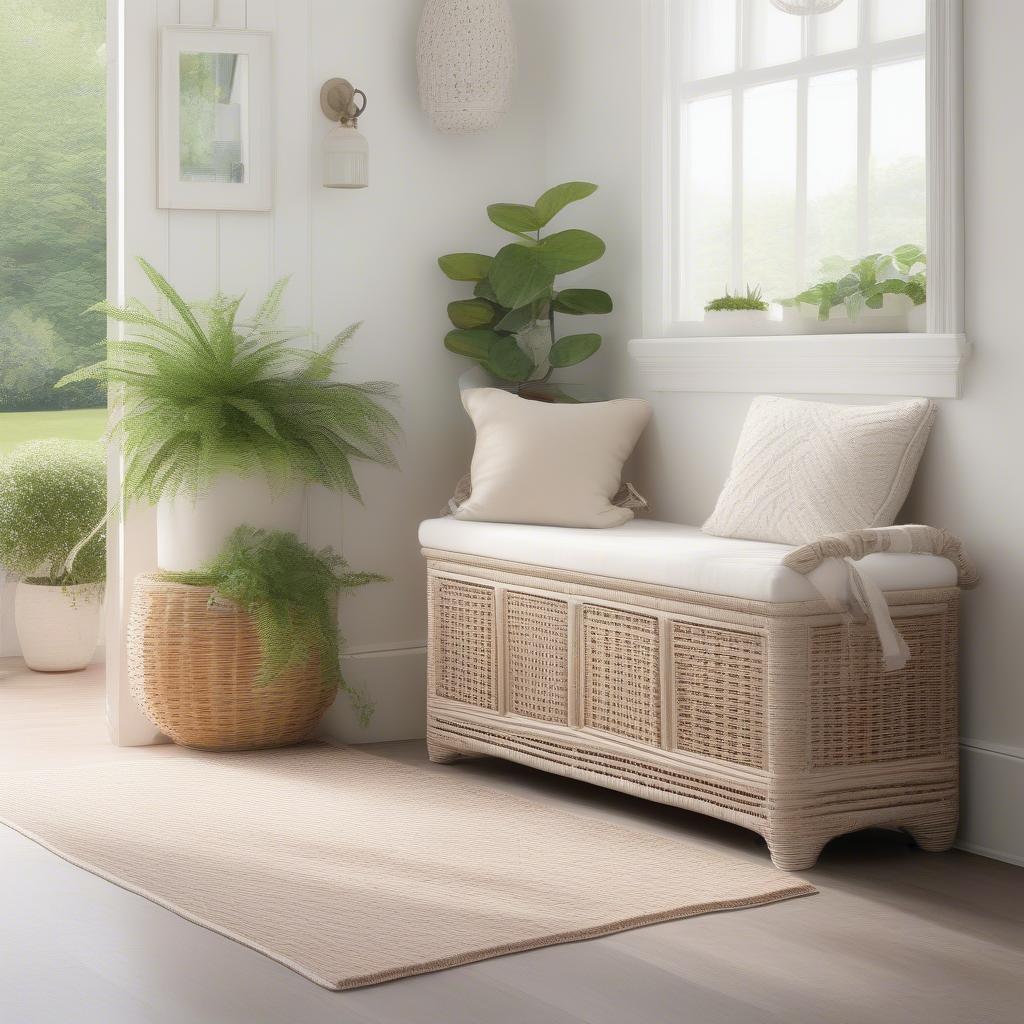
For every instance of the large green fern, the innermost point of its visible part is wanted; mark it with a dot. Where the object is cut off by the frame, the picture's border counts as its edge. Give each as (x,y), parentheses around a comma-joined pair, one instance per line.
(291,593)
(205,394)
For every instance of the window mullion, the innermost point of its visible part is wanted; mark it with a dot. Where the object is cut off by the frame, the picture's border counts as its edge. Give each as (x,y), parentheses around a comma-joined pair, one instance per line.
(864,127)
(802,88)
(737,188)
(742,62)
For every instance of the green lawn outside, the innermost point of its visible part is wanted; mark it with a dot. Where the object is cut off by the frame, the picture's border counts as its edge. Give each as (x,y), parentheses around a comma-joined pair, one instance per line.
(76,424)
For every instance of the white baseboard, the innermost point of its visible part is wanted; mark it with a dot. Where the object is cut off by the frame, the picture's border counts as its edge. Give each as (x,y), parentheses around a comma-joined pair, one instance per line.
(991,795)
(396,681)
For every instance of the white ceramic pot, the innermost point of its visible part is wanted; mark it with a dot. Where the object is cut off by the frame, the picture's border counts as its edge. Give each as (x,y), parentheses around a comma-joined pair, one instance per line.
(725,322)
(917,319)
(58,627)
(192,531)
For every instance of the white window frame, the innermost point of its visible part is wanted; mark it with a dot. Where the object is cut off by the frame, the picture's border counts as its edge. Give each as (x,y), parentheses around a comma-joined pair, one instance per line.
(676,355)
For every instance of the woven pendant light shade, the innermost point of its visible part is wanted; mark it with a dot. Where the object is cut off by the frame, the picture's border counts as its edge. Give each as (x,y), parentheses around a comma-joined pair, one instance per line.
(807,7)
(466,57)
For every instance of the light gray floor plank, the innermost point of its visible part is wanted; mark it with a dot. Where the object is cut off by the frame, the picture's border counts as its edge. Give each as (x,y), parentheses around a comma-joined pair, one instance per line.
(895,935)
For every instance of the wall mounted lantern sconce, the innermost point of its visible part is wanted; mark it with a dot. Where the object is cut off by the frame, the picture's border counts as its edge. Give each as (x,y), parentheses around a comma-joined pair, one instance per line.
(346,151)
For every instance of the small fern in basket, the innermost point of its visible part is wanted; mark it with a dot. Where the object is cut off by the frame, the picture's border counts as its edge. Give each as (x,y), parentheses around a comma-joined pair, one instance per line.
(205,393)
(290,591)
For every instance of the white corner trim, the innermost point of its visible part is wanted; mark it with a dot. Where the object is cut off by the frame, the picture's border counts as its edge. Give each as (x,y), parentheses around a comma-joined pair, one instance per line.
(926,365)
(991,785)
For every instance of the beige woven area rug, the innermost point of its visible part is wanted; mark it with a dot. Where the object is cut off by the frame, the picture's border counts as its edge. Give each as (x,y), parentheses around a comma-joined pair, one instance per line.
(353,869)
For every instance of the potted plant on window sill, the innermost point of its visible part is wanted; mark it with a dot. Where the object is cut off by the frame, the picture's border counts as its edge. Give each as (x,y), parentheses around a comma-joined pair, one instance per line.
(224,421)
(509,326)
(52,493)
(889,290)
(740,314)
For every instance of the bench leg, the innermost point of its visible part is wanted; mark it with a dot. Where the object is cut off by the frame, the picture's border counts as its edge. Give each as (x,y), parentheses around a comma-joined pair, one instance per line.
(441,754)
(935,835)
(794,852)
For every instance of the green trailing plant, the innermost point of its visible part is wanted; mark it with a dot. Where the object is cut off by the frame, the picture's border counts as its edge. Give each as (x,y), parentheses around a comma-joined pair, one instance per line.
(856,284)
(204,393)
(729,303)
(52,493)
(509,325)
(291,592)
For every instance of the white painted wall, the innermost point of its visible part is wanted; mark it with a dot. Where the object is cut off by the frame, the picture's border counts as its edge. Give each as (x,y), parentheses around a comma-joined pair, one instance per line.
(971,481)
(366,255)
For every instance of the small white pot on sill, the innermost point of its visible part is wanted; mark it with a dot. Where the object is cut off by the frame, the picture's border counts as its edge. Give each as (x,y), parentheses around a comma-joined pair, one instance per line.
(726,322)
(58,627)
(192,531)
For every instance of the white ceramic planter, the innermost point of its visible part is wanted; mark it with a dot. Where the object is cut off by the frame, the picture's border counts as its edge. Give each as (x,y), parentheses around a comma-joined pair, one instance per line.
(726,322)
(192,531)
(58,627)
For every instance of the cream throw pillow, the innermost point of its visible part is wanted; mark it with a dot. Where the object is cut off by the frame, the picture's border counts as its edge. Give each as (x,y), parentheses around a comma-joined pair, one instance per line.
(806,469)
(548,464)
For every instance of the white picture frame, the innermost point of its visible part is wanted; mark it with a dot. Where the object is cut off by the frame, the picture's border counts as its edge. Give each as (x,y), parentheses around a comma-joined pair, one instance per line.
(239,176)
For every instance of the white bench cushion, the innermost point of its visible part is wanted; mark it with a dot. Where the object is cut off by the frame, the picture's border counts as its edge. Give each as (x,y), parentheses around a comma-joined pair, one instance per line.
(669,555)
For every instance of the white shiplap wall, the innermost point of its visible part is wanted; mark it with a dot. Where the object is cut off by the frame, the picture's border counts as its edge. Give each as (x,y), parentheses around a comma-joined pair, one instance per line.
(367,255)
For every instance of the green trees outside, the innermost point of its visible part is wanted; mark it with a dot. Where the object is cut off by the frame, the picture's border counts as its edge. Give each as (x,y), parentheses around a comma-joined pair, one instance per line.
(52,199)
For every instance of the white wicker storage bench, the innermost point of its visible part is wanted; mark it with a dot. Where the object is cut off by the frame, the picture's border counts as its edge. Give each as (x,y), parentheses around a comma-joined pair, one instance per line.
(699,672)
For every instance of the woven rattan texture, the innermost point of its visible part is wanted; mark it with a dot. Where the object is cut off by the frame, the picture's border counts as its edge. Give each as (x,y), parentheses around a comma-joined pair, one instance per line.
(782,719)
(861,715)
(621,658)
(537,657)
(193,668)
(719,692)
(466,55)
(584,758)
(464,618)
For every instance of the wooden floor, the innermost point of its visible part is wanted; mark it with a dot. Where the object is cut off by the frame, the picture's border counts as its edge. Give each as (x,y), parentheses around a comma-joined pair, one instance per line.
(896,935)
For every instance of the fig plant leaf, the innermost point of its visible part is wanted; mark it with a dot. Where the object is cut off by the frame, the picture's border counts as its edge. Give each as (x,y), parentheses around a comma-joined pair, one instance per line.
(574,349)
(519,277)
(465,266)
(558,198)
(514,217)
(470,313)
(582,301)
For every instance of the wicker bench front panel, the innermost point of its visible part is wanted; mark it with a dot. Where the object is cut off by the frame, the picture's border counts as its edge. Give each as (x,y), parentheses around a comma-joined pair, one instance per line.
(620,660)
(718,675)
(537,657)
(464,643)
(860,714)
(582,756)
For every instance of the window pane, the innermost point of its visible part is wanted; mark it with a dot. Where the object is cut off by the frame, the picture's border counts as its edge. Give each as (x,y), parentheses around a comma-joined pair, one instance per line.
(769,189)
(837,30)
(707,199)
(895,19)
(709,28)
(898,208)
(773,36)
(831,170)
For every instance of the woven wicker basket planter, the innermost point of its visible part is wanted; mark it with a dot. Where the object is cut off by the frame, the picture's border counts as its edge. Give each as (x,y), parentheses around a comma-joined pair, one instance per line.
(777,717)
(193,672)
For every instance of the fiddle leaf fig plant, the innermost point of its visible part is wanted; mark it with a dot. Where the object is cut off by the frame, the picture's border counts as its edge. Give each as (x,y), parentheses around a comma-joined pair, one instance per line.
(509,324)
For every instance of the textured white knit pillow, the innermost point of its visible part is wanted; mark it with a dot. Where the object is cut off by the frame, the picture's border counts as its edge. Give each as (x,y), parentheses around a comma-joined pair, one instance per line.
(806,469)
(546,464)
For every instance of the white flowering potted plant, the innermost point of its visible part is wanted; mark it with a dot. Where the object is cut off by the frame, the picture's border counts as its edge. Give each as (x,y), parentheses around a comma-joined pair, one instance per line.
(52,494)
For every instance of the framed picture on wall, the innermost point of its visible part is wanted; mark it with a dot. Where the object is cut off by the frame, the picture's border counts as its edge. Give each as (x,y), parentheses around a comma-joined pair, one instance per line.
(216,94)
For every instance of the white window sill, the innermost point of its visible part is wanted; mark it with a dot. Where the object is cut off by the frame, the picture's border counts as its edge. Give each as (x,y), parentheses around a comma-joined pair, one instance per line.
(925,365)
